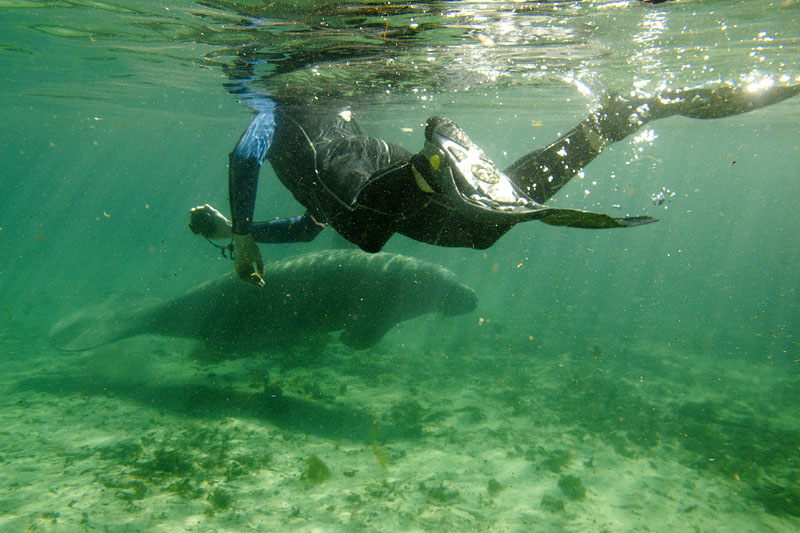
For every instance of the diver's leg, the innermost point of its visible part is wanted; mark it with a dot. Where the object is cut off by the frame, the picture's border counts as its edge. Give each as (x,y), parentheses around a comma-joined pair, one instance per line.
(619,116)
(543,172)
(726,101)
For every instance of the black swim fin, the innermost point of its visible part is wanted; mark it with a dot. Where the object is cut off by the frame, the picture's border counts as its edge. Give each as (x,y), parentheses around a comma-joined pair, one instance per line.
(575,218)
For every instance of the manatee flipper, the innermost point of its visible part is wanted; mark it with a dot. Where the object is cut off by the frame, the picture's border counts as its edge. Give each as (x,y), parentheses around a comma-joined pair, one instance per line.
(576,218)
(365,332)
(116,318)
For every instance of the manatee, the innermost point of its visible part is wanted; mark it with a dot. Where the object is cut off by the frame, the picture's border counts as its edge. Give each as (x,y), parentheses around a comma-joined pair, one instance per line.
(364,295)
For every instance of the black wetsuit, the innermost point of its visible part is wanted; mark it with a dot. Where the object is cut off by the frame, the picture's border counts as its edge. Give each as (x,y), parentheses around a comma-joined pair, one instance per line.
(450,193)
(365,188)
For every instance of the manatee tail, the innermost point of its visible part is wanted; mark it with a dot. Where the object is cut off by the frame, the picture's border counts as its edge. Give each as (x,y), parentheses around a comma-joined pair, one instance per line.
(95,325)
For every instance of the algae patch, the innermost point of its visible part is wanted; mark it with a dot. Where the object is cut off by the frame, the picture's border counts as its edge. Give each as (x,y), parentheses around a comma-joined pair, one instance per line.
(572,487)
(552,504)
(316,471)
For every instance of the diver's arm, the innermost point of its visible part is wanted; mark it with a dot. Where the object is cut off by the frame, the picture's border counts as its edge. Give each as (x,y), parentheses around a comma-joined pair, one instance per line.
(297,229)
(245,163)
(205,220)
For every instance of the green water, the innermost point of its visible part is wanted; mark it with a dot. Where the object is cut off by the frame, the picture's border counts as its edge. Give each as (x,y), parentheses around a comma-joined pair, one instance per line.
(674,343)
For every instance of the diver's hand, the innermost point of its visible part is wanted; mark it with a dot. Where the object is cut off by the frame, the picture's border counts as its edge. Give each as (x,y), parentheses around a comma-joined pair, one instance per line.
(206,221)
(247,254)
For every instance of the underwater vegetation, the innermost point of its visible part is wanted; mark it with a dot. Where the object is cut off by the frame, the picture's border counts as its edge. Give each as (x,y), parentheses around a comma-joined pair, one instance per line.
(736,440)
(557,461)
(552,504)
(204,467)
(164,462)
(185,489)
(220,499)
(494,488)
(378,451)
(407,417)
(779,500)
(189,465)
(316,471)
(572,487)
(437,492)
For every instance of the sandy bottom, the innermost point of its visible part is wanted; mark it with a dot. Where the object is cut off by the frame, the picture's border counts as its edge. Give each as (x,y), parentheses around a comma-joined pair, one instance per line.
(149,435)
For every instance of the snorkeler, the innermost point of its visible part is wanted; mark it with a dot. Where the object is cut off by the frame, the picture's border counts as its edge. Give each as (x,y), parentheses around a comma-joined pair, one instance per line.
(448,194)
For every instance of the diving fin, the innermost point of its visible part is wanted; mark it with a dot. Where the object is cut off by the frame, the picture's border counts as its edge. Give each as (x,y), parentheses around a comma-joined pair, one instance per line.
(575,218)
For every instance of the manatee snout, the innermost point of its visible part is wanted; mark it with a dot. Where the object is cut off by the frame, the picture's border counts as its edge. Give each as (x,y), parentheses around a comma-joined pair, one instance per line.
(458,300)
